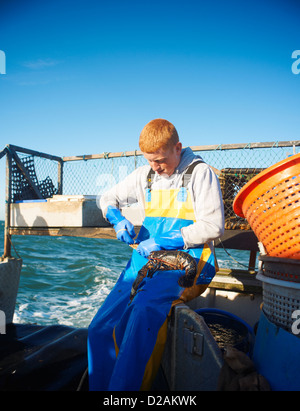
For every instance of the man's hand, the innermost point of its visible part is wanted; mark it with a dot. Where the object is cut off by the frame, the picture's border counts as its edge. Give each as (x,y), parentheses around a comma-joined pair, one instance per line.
(123,228)
(125,231)
(146,247)
(171,240)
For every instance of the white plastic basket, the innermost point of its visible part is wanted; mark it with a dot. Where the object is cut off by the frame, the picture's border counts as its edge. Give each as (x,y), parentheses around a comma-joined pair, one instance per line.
(280,300)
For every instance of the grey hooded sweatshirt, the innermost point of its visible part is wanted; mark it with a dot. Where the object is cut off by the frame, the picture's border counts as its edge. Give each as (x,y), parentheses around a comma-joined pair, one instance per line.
(205,193)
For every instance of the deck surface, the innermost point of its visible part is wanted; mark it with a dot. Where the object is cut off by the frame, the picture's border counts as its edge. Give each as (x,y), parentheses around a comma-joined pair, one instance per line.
(42,358)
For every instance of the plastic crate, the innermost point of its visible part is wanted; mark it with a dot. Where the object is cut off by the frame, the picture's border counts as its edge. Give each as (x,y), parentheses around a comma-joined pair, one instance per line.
(271,204)
(280,300)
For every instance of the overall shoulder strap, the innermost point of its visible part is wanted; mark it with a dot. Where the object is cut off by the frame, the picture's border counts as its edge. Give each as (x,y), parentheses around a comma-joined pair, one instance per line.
(188,173)
(149,178)
(185,178)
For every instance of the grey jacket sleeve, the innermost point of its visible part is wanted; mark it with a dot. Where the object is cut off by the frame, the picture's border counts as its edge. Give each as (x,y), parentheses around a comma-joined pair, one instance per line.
(127,192)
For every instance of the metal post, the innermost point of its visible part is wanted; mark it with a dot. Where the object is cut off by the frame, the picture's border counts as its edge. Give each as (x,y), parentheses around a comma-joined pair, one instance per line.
(7,243)
(60,177)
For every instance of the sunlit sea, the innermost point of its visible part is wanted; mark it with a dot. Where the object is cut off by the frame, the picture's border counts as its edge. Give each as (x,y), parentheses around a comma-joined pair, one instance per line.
(64,280)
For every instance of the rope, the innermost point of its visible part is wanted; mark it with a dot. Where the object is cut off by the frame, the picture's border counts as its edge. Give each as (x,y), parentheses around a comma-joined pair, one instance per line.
(9,237)
(243,265)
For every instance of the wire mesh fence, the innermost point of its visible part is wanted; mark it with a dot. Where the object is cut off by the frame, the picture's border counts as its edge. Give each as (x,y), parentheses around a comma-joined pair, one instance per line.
(43,177)
(39,176)
(93,176)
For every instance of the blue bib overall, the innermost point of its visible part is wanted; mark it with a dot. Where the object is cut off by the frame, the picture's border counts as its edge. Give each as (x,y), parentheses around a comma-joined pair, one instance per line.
(126,339)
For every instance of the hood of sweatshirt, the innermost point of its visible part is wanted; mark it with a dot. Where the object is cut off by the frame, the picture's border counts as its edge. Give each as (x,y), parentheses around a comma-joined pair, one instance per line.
(187,157)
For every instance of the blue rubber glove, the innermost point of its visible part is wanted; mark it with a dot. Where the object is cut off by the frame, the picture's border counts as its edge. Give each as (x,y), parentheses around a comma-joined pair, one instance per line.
(147,246)
(171,240)
(123,228)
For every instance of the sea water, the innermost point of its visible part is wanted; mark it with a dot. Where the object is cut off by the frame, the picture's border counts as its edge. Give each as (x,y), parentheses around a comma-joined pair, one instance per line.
(64,280)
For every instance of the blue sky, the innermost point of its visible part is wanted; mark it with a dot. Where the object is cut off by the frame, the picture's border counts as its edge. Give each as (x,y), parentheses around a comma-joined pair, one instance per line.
(85,76)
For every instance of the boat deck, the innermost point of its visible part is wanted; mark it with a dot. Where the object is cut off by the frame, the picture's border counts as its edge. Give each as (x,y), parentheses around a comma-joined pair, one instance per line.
(42,358)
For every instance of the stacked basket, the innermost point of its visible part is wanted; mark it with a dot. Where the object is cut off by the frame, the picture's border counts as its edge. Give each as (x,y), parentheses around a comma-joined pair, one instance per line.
(271,204)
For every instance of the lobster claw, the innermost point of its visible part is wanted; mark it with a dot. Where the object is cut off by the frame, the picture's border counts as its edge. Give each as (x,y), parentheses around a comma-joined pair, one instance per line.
(151,271)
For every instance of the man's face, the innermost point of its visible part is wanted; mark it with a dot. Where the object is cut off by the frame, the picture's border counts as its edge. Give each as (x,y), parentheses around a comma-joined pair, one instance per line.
(164,161)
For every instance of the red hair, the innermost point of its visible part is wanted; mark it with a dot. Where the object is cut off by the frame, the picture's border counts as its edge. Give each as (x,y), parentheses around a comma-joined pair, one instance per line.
(158,134)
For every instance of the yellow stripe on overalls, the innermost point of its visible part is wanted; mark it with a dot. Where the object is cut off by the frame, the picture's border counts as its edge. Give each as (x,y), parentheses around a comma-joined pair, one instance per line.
(166,203)
(169,203)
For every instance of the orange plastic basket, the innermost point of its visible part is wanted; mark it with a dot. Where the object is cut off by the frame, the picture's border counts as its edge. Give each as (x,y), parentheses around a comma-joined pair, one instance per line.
(271,204)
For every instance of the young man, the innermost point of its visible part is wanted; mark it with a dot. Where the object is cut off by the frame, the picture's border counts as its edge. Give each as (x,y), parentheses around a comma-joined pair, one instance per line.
(183,208)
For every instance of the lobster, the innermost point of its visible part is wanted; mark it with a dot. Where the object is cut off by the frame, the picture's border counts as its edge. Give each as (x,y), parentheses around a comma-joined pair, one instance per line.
(167,260)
